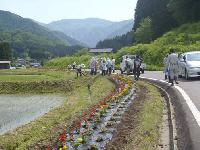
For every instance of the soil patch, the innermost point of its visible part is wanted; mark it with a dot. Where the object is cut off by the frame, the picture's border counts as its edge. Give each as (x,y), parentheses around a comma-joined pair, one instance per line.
(122,135)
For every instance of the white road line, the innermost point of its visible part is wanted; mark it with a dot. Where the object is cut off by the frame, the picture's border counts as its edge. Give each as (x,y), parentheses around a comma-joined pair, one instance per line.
(163,81)
(143,77)
(190,104)
(151,78)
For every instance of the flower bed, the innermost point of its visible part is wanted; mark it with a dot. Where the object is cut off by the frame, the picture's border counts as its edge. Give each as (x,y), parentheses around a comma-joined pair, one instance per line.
(96,130)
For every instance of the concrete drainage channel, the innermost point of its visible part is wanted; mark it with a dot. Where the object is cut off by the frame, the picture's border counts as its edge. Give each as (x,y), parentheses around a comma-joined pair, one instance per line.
(174,123)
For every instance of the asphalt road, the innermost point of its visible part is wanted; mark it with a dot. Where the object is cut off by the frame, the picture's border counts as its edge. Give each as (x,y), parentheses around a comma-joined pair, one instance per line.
(191,96)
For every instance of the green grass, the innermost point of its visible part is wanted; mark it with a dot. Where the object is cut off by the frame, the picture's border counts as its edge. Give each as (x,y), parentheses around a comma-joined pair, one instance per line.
(24,77)
(146,135)
(75,103)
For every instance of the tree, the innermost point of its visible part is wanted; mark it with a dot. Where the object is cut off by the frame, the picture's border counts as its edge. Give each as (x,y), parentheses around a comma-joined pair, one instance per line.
(84,51)
(144,33)
(162,20)
(5,52)
(185,11)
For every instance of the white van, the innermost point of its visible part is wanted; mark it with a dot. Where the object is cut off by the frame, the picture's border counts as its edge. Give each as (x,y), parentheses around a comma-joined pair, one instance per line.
(189,64)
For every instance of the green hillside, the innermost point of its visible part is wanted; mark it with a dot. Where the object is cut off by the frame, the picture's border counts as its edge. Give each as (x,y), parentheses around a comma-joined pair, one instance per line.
(24,44)
(182,39)
(10,21)
(27,39)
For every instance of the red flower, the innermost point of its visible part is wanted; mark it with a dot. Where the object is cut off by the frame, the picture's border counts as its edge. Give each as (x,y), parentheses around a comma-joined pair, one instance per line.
(98,106)
(111,94)
(118,90)
(105,99)
(85,131)
(94,110)
(48,148)
(91,114)
(63,137)
(72,136)
(102,102)
(79,124)
(86,120)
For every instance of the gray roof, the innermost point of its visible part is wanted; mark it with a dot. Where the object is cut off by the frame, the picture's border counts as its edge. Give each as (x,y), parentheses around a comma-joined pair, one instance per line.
(101,50)
(4,62)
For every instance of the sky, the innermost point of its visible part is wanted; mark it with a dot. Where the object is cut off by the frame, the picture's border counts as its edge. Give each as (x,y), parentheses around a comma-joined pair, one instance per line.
(46,11)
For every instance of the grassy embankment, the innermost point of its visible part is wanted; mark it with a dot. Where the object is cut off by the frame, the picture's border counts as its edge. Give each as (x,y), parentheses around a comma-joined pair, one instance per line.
(146,135)
(75,103)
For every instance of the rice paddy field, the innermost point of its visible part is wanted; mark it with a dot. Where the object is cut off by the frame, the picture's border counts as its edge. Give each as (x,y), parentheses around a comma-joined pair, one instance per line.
(19,109)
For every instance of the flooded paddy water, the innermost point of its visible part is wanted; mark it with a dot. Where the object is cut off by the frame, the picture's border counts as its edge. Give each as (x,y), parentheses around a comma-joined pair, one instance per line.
(19,109)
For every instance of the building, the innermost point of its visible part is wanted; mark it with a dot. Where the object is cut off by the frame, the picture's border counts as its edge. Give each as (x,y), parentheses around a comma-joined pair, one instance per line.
(21,61)
(98,51)
(4,64)
(35,65)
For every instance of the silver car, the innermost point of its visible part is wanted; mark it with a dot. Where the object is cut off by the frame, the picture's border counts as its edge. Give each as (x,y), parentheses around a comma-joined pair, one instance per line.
(189,64)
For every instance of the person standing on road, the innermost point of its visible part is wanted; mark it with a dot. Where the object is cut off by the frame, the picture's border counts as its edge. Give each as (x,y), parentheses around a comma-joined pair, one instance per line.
(173,62)
(165,65)
(137,63)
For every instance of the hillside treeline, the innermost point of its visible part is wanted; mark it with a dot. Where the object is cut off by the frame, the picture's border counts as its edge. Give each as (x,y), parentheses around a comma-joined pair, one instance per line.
(153,18)
(25,44)
(5,52)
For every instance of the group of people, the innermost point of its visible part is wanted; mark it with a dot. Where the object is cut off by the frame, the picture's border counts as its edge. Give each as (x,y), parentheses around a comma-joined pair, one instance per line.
(106,65)
(170,63)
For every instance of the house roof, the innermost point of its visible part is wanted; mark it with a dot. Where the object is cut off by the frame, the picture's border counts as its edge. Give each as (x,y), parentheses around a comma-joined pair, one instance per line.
(4,62)
(101,50)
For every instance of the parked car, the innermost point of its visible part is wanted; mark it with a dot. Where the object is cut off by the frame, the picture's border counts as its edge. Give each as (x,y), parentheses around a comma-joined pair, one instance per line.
(189,64)
(127,64)
(21,67)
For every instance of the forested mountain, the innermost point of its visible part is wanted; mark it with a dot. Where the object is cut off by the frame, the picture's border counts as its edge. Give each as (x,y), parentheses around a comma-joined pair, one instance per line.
(161,17)
(118,42)
(10,21)
(90,30)
(67,39)
(121,31)
(26,38)
(156,17)
(24,44)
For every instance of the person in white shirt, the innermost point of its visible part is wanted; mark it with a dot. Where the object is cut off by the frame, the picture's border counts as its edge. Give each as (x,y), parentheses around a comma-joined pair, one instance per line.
(173,62)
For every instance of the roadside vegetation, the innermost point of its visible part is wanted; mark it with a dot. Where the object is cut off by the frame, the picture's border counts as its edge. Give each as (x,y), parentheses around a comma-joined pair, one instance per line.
(146,134)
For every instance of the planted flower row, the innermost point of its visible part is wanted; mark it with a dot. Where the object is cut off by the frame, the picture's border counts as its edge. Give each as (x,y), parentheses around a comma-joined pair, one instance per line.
(85,128)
